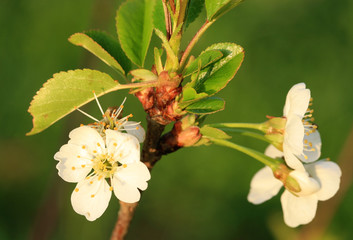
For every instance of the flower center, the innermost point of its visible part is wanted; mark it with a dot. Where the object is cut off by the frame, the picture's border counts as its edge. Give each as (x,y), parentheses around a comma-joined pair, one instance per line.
(105,166)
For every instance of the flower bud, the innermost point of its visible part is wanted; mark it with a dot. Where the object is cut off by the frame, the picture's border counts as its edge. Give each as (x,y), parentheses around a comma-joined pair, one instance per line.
(189,136)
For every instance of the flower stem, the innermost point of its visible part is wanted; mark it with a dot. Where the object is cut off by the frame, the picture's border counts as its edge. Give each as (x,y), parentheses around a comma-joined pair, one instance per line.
(192,43)
(257,126)
(272,163)
(255,135)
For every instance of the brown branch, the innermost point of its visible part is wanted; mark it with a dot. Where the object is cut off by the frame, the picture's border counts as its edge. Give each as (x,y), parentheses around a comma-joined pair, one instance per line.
(126,212)
(327,209)
(150,155)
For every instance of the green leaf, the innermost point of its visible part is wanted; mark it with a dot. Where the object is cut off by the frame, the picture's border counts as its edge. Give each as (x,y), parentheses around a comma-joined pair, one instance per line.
(216,8)
(190,96)
(158,17)
(174,61)
(64,92)
(104,47)
(158,61)
(144,75)
(193,11)
(211,132)
(134,25)
(202,61)
(206,106)
(217,75)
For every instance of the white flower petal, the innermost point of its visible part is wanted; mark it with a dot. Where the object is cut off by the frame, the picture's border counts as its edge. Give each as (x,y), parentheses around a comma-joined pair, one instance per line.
(298,210)
(87,137)
(263,186)
(124,191)
(307,184)
(291,160)
(291,92)
(294,134)
(123,146)
(273,152)
(91,197)
(312,148)
(328,174)
(297,100)
(135,129)
(135,174)
(74,163)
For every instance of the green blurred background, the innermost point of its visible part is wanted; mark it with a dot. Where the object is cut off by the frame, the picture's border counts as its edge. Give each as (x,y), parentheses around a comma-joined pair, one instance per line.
(195,193)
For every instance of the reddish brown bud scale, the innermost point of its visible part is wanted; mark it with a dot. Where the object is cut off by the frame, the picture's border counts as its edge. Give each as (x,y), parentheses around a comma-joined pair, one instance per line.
(159,102)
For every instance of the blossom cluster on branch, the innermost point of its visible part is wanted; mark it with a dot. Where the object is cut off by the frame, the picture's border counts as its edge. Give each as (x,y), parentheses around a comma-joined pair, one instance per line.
(178,89)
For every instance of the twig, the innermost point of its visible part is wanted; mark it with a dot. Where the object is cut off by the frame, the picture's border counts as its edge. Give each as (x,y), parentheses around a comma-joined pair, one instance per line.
(150,155)
(193,42)
(126,212)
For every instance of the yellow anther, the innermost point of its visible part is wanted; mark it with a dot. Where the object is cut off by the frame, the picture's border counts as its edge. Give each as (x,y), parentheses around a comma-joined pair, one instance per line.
(92,196)
(115,144)
(73,168)
(124,165)
(306,157)
(94,151)
(137,128)
(111,188)
(81,125)
(76,189)
(83,166)
(307,133)
(310,144)
(120,155)
(91,182)
(100,177)
(78,156)
(98,144)
(83,147)
(115,128)
(305,141)
(122,106)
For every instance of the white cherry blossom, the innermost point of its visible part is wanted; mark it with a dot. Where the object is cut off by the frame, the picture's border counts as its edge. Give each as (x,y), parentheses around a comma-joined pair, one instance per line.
(301,139)
(319,182)
(88,159)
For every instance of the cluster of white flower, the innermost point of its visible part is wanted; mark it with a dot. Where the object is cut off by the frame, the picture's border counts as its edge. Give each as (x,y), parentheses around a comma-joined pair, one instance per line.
(301,149)
(102,151)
